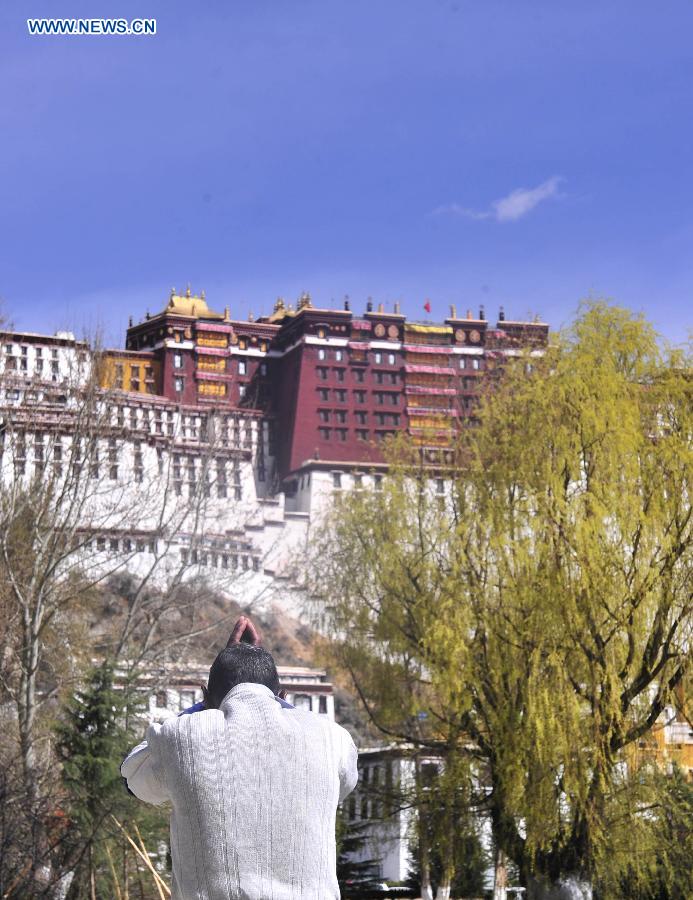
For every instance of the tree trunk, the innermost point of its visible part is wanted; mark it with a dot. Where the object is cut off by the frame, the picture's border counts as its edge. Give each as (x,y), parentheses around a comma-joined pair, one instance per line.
(426,889)
(423,832)
(444,888)
(26,714)
(425,866)
(500,880)
(569,887)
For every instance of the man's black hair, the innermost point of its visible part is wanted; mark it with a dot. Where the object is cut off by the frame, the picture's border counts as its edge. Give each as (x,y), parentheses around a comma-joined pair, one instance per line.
(238,664)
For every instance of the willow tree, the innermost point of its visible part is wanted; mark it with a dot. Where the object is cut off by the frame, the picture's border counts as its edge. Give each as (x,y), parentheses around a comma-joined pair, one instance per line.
(539,608)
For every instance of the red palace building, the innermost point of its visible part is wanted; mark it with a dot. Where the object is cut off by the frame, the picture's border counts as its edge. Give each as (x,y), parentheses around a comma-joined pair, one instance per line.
(331,384)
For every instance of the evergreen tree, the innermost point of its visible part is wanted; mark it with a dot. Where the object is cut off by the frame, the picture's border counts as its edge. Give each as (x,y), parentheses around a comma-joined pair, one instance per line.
(355,877)
(92,742)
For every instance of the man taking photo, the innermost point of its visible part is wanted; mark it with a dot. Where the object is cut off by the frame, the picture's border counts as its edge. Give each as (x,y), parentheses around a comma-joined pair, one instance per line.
(254,785)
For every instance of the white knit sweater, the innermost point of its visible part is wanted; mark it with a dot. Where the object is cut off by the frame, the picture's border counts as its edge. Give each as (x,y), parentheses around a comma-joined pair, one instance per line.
(254,789)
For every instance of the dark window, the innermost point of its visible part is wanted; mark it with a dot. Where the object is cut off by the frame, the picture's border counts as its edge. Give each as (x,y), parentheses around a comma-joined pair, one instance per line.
(221,478)
(139,462)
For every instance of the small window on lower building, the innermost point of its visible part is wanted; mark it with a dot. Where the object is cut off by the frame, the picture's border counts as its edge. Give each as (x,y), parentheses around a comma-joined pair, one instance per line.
(186,699)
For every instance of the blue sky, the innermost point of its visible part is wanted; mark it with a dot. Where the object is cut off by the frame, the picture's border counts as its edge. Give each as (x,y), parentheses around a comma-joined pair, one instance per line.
(514,152)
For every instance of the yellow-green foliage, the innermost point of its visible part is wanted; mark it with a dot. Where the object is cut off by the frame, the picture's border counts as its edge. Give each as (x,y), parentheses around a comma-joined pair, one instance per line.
(541,611)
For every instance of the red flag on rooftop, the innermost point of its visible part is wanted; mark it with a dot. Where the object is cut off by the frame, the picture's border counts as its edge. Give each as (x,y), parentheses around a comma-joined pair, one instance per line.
(427,306)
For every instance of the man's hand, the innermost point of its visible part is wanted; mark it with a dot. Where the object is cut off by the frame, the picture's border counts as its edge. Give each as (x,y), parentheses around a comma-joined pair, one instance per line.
(244,631)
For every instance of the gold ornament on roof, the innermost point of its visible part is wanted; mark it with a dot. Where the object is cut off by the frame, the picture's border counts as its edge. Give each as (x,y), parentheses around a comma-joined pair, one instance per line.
(191,305)
(279,310)
(304,301)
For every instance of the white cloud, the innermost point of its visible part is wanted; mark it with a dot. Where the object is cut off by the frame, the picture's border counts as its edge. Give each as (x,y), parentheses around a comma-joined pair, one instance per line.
(515,205)
(454,209)
(522,200)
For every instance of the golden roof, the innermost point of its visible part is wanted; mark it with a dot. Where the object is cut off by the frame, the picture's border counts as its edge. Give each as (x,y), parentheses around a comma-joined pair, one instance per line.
(190,305)
(281,310)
